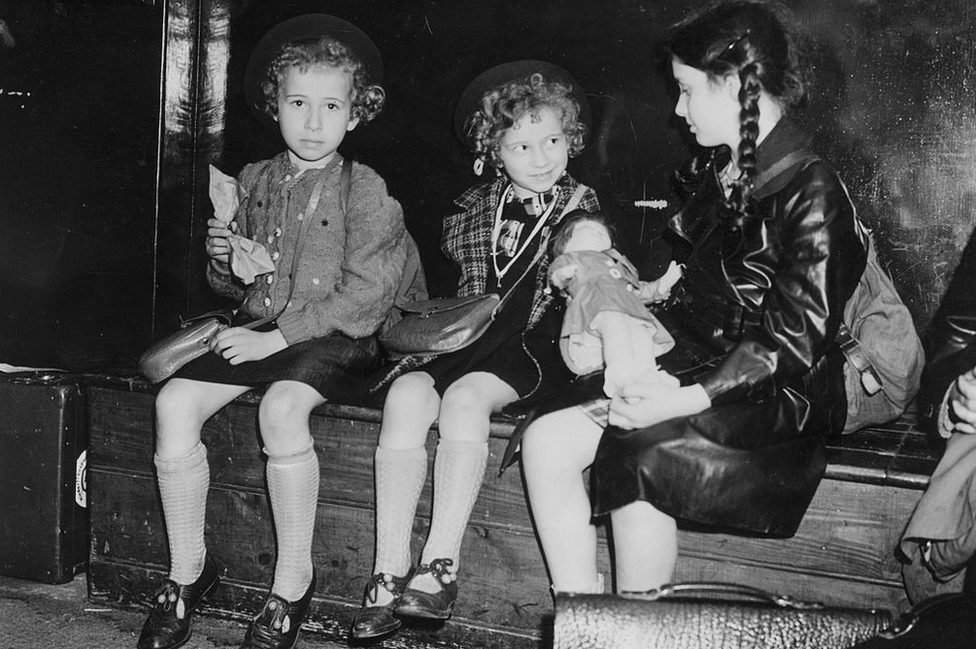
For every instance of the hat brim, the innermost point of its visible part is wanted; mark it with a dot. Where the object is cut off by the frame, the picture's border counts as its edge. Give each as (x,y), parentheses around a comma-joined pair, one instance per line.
(499,75)
(307,27)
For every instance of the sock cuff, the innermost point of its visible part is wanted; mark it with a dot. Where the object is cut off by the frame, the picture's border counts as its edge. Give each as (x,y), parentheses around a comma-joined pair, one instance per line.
(461,446)
(384,454)
(182,464)
(296,457)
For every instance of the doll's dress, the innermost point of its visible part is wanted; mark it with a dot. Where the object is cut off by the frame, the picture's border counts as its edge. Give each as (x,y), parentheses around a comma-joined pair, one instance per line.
(604,281)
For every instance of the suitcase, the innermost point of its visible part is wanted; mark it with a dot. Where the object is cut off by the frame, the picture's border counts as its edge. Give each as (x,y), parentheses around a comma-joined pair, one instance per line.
(43,454)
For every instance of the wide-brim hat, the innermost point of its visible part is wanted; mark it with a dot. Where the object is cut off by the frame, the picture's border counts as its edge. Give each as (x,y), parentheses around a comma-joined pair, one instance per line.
(307,27)
(499,75)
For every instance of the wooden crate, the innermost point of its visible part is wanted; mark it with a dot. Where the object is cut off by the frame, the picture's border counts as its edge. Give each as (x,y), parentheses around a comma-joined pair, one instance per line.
(842,553)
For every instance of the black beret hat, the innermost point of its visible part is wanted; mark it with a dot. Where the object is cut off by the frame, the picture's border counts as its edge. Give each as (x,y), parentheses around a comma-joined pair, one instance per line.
(499,75)
(307,27)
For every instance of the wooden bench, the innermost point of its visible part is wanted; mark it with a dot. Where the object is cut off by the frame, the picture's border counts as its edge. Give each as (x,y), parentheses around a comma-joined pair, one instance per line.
(843,553)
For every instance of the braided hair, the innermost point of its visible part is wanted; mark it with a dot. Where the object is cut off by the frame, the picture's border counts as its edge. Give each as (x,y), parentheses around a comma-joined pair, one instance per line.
(753,40)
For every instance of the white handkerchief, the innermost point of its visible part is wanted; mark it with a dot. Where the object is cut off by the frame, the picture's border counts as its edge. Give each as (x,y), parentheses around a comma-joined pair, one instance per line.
(248,258)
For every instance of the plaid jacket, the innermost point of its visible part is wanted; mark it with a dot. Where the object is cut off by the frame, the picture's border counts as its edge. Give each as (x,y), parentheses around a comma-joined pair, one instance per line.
(467,237)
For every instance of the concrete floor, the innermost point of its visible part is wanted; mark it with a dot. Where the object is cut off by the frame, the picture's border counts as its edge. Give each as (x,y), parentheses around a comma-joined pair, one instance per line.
(41,616)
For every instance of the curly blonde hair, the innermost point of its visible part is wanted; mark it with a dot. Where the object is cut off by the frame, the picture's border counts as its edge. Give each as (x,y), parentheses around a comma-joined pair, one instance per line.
(367,98)
(502,107)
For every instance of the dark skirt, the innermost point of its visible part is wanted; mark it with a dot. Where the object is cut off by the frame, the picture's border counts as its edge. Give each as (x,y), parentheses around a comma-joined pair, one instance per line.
(335,365)
(526,361)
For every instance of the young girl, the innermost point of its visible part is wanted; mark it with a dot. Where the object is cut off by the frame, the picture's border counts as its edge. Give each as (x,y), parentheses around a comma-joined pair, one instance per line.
(775,251)
(314,75)
(607,325)
(524,120)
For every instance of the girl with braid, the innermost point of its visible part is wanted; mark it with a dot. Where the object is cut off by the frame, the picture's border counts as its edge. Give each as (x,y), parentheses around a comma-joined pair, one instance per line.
(773,250)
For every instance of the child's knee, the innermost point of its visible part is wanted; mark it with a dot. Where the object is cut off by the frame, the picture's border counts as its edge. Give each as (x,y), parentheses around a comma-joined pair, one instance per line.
(284,412)
(413,393)
(177,403)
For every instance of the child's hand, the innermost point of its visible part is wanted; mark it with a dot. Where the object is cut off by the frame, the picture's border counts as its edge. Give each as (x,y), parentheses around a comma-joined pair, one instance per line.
(962,403)
(238,345)
(644,404)
(218,248)
(659,289)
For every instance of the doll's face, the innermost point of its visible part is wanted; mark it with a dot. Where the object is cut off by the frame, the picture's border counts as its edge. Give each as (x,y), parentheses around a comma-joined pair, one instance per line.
(588,235)
(534,152)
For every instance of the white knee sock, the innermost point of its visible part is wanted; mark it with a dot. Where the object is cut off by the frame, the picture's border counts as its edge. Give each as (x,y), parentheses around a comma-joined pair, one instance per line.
(399,475)
(183,484)
(459,469)
(293,485)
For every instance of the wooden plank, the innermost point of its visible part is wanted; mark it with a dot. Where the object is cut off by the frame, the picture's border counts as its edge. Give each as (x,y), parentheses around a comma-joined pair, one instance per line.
(842,554)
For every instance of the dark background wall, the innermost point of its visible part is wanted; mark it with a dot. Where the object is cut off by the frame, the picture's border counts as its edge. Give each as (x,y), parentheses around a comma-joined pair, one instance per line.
(103,171)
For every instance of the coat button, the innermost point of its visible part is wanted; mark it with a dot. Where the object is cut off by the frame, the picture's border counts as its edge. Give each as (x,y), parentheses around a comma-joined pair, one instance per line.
(277,232)
(267,301)
(269,279)
(275,255)
(315,280)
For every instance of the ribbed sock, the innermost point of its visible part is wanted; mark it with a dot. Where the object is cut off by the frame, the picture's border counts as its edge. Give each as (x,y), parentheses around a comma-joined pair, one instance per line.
(183,484)
(459,469)
(399,475)
(293,485)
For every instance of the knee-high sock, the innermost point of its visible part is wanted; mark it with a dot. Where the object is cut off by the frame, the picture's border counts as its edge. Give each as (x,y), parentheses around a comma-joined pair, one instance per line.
(183,484)
(459,469)
(399,475)
(293,485)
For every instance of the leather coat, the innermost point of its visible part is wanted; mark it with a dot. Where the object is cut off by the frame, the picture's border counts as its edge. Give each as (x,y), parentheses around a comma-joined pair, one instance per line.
(754,320)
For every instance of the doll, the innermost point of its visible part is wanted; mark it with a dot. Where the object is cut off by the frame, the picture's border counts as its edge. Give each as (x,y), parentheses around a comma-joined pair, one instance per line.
(607,325)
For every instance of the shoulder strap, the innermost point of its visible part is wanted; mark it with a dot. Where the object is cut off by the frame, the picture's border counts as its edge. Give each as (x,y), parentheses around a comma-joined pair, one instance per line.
(784,164)
(345,184)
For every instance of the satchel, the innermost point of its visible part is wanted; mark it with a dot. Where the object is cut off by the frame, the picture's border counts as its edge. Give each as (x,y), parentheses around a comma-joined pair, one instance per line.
(441,325)
(709,616)
(191,341)
(884,353)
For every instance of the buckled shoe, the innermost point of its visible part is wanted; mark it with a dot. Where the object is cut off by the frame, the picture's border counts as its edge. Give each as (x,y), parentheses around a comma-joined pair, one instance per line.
(432,606)
(372,620)
(168,624)
(276,626)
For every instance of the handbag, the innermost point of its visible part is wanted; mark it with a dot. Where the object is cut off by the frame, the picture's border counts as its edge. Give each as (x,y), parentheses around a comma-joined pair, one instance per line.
(195,335)
(191,341)
(441,325)
(447,324)
(710,615)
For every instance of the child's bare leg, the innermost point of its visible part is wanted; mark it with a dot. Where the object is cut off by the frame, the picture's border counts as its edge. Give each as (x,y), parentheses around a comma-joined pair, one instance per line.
(459,466)
(293,481)
(182,470)
(645,542)
(555,451)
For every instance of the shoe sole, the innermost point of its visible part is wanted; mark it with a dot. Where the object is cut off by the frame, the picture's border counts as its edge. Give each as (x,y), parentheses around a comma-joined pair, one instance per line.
(424,613)
(375,634)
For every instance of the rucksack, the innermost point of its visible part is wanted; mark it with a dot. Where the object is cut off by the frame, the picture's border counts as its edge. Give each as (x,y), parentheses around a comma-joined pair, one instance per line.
(884,353)
(878,337)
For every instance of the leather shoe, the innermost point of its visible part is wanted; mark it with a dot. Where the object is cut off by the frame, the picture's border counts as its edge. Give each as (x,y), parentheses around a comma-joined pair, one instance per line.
(433,606)
(278,623)
(373,621)
(168,624)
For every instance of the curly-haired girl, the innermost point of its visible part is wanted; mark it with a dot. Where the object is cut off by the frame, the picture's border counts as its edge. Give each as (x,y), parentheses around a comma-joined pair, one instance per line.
(314,75)
(525,119)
